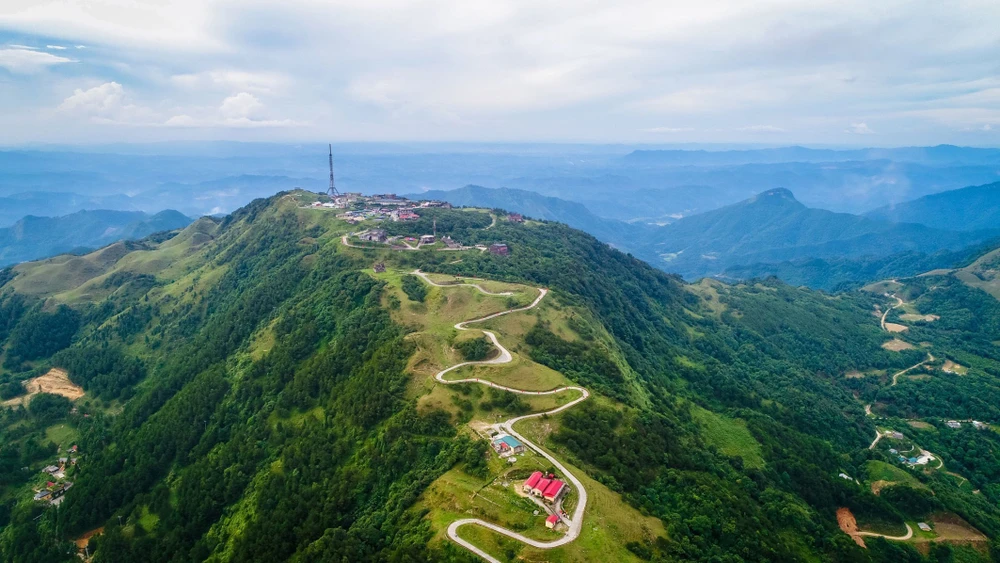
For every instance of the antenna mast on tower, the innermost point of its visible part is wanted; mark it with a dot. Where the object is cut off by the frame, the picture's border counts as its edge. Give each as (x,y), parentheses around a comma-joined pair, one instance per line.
(332,190)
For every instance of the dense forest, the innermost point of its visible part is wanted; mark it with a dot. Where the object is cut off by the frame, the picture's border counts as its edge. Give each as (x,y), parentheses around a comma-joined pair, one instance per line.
(249,401)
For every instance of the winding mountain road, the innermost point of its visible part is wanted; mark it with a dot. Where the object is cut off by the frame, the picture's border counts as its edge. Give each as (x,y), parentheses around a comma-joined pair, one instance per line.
(909,534)
(576,523)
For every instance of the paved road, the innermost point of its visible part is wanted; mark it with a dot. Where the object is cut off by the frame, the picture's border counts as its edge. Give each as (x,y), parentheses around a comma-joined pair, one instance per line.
(576,523)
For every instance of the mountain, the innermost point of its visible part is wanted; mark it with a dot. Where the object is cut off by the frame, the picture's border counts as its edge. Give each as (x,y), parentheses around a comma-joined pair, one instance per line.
(37,237)
(254,388)
(538,206)
(774,227)
(965,209)
(941,154)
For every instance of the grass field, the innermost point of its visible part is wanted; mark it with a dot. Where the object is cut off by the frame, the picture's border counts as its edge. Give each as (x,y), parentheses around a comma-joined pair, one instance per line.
(63,435)
(730,436)
(881,471)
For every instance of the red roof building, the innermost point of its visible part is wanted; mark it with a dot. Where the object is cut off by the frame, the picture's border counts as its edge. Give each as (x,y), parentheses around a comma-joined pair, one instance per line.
(551,521)
(540,487)
(532,481)
(554,490)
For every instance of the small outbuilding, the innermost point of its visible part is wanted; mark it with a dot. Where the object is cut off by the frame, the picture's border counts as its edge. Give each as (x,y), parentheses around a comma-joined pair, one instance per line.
(924,526)
(374,235)
(379,268)
(531,481)
(427,239)
(552,521)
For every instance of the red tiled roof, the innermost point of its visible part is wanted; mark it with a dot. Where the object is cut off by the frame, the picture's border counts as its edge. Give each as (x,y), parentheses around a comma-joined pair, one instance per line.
(543,484)
(533,480)
(552,518)
(553,488)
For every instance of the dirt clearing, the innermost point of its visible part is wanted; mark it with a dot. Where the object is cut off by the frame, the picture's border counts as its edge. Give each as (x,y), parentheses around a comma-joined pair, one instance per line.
(55,381)
(910,317)
(847,523)
(893,327)
(951,367)
(897,345)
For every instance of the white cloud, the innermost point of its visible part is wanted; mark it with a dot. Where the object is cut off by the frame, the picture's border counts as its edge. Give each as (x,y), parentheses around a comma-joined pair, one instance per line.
(27,61)
(239,111)
(860,129)
(55,47)
(107,103)
(242,105)
(230,80)
(762,129)
(554,70)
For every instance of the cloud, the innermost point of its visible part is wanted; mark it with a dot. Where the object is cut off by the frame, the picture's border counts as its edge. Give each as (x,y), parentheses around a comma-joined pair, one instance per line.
(27,61)
(667,130)
(860,129)
(762,129)
(108,104)
(519,70)
(232,80)
(239,111)
(55,47)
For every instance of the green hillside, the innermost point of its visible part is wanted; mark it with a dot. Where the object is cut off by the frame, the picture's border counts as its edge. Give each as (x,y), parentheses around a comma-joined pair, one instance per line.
(254,390)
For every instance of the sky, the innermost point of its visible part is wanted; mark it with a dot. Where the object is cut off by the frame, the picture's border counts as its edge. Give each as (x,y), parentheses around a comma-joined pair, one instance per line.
(774,72)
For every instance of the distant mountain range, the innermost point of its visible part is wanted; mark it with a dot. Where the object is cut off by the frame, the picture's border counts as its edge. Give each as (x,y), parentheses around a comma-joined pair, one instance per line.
(531,204)
(773,227)
(940,154)
(771,233)
(965,209)
(33,237)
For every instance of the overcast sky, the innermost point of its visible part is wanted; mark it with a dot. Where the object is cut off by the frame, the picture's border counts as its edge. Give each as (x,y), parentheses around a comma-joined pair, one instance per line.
(884,72)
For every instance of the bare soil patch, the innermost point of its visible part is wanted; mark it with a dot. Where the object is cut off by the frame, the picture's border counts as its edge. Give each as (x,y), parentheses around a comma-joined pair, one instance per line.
(897,345)
(83,541)
(920,424)
(854,374)
(951,367)
(847,523)
(55,381)
(951,527)
(894,327)
(910,317)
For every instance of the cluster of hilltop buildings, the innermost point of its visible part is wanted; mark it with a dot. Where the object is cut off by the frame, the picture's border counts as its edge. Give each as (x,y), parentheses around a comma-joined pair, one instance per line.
(378,207)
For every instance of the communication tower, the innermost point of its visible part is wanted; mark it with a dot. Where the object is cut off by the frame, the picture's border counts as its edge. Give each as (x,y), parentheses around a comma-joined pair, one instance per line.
(332,190)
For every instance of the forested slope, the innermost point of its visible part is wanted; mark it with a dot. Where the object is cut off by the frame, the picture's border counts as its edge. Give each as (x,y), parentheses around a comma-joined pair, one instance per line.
(250,399)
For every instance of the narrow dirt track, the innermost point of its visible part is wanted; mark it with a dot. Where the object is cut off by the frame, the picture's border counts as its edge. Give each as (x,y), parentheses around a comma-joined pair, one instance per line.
(576,524)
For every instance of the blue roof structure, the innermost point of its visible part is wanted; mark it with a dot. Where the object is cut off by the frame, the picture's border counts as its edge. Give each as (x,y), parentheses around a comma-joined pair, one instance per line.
(510,441)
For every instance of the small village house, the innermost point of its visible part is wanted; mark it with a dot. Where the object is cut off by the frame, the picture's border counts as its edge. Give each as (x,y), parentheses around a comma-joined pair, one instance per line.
(552,521)
(374,235)
(499,249)
(379,268)
(515,218)
(954,424)
(427,239)
(507,446)
(924,526)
